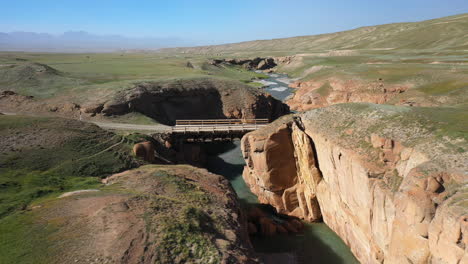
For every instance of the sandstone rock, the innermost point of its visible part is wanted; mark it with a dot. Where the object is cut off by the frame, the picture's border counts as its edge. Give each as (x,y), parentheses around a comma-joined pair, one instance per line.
(319,93)
(115,108)
(267,227)
(275,168)
(92,108)
(255,63)
(255,213)
(275,174)
(389,202)
(144,150)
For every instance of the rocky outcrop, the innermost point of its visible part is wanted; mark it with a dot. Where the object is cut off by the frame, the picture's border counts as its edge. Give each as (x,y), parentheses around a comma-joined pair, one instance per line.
(319,93)
(371,179)
(193,99)
(144,150)
(250,64)
(153,214)
(163,101)
(268,223)
(272,170)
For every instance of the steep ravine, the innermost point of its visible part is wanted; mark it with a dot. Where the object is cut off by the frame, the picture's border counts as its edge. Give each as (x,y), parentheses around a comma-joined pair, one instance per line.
(371,179)
(317,244)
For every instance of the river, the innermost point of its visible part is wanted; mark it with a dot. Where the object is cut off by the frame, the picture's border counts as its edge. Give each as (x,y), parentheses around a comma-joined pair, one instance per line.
(318,243)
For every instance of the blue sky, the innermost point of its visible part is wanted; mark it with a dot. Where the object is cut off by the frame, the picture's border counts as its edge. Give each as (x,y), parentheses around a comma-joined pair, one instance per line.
(215,21)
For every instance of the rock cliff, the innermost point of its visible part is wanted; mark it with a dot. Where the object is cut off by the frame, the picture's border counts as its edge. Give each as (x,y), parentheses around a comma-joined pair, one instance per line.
(319,93)
(250,64)
(382,177)
(195,99)
(163,101)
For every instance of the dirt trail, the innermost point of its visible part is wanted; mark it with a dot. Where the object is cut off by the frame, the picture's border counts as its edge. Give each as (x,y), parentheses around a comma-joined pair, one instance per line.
(119,126)
(124,126)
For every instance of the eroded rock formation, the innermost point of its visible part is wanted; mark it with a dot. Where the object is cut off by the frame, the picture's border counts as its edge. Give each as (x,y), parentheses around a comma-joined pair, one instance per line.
(163,101)
(153,214)
(250,64)
(144,150)
(372,180)
(319,93)
(195,99)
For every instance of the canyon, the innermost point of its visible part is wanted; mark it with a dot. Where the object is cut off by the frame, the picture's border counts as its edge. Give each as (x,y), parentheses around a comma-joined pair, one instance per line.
(356,168)
(361,169)
(366,158)
(162,101)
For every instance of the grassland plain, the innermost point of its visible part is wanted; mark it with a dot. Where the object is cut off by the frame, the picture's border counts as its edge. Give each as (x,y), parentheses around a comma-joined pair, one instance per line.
(105,71)
(55,79)
(430,57)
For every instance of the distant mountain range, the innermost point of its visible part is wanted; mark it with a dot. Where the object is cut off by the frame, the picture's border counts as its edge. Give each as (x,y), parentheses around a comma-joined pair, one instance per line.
(81,41)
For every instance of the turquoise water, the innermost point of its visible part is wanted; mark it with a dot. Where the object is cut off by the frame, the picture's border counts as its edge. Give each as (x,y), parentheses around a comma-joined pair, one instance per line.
(318,243)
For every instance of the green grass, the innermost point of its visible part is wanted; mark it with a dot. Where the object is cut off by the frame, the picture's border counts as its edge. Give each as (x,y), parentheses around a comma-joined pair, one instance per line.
(451,122)
(445,87)
(46,75)
(36,166)
(447,33)
(23,240)
(183,234)
(325,89)
(134,118)
(181,218)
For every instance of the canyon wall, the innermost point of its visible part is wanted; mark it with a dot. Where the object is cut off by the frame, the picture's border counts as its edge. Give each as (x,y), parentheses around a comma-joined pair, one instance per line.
(202,98)
(394,194)
(319,93)
(250,64)
(163,101)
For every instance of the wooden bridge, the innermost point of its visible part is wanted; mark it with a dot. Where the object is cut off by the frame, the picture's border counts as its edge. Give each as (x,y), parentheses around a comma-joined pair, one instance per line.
(204,130)
(218,125)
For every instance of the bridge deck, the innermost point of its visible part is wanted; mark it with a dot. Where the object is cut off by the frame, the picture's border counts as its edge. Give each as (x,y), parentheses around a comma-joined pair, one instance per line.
(218,125)
(217,122)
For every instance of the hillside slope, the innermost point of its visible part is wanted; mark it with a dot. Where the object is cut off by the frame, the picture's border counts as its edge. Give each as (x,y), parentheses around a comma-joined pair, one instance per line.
(443,33)
(45,156)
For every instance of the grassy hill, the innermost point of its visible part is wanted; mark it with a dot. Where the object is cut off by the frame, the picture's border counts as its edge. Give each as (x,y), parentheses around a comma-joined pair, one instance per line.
(45,156)
(448,33)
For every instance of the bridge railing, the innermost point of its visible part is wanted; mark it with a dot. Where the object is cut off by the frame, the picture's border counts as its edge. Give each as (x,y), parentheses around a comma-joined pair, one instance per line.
(221,122)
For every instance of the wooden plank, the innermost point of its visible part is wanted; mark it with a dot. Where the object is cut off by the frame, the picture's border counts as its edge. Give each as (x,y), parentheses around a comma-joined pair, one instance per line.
(221,121)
